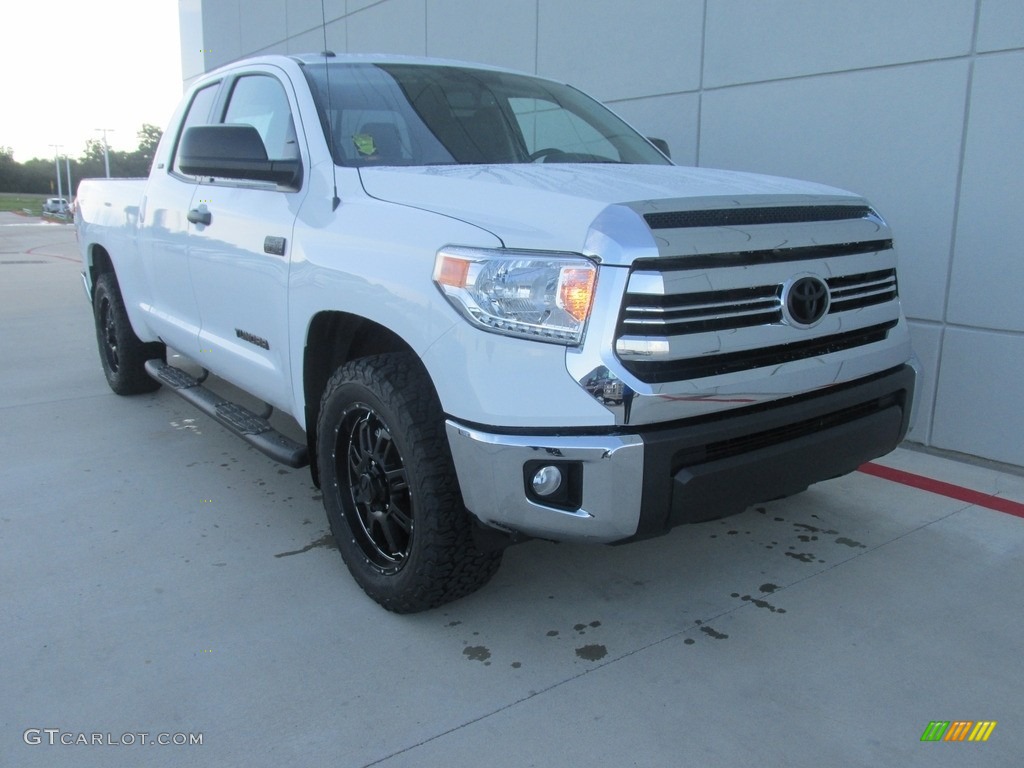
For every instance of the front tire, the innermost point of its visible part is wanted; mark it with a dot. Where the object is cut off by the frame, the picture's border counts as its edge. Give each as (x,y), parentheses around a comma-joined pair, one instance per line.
(122,354)
(389,487)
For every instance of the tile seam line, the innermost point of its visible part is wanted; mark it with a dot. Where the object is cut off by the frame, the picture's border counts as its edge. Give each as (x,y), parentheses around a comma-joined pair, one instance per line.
(949,490)
(966,56)
(1013,332)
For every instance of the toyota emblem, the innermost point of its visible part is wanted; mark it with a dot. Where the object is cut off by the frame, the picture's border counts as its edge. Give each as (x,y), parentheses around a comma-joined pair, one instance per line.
(806,301)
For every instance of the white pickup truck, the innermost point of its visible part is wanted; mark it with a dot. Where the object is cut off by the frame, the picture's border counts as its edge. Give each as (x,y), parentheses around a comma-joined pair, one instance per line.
(495,310)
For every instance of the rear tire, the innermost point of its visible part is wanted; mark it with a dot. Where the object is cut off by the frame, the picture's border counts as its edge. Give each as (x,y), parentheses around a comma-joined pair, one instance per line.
(390,490)
(122,354)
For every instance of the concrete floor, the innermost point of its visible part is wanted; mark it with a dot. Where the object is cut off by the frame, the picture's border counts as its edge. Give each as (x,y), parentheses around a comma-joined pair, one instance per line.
(158,576)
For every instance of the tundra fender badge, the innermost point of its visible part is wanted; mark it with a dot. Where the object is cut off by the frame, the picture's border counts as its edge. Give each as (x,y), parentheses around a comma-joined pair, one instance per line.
(252,338)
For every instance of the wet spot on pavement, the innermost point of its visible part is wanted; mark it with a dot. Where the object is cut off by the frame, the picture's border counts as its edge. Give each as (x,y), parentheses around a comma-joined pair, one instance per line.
(850,543)
(324,541)
(762,604)
(477,653)
(812,529)
(592,652)
(803,557)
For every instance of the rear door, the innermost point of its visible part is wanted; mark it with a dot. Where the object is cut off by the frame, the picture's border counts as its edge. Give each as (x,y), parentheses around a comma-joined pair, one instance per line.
(163,238)
(239,261)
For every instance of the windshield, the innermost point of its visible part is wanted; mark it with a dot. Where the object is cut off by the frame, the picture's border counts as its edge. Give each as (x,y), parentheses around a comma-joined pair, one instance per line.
(415,114)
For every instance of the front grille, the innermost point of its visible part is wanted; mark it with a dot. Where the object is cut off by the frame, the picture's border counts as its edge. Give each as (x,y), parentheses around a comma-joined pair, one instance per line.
(699,312)
(660,371)
(864,290)
(703,308)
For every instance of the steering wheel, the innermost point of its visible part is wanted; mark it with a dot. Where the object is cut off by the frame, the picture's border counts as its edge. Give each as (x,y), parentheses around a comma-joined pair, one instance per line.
(541,154)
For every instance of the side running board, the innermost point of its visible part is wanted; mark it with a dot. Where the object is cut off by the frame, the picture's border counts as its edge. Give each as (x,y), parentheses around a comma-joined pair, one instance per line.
(254,429)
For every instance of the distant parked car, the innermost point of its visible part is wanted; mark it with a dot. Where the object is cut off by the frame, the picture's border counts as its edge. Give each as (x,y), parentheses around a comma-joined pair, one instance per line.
(55,205)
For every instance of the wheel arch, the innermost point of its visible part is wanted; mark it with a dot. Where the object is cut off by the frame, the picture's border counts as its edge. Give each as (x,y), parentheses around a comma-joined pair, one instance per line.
(333,339)
(99,263)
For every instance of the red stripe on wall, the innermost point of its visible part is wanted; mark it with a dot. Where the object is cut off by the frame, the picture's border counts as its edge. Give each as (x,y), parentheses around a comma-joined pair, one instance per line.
(957,492)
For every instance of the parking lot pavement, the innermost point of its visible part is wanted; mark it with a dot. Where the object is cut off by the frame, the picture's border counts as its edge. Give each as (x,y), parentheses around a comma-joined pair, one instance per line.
(158,577)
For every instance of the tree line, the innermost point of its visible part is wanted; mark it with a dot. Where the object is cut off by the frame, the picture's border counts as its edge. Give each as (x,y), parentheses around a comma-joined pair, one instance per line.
(39,175)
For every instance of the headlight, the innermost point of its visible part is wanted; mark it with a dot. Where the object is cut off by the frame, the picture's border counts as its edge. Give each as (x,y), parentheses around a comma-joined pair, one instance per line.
(528,294)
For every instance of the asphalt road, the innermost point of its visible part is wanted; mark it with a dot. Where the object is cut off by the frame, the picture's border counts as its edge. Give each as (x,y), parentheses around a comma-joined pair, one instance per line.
(160,581)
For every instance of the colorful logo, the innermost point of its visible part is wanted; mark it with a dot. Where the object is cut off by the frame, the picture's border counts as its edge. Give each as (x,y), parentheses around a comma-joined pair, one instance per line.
(958,730)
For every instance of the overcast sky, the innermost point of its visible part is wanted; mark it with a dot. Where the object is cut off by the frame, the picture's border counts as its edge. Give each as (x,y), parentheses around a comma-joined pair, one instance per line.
(71,66)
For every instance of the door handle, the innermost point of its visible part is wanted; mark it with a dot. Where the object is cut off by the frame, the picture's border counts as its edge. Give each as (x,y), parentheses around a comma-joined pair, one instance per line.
(198,216)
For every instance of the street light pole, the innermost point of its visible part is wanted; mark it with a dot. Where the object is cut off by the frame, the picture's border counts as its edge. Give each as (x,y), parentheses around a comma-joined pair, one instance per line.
(71,190)
(56,162)
(106,150)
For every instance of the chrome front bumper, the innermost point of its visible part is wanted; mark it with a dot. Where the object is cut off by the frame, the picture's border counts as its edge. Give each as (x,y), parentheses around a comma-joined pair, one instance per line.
(630,486)
(490,472)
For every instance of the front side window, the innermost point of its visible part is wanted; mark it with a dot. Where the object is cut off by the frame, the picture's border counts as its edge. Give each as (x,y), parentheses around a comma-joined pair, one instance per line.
(198,114)
(260,101)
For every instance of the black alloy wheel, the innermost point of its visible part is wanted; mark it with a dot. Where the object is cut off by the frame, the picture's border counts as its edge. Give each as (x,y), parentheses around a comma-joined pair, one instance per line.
(108,334)
(381,507)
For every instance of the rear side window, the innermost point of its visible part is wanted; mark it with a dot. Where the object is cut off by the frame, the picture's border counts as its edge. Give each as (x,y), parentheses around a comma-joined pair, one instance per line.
(198,114)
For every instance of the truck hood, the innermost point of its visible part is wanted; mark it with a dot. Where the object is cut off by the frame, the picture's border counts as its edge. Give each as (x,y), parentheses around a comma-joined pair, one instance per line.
(559,206)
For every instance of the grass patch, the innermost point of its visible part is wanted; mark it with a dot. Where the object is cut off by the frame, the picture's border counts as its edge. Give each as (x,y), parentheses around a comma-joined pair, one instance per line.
(18,201)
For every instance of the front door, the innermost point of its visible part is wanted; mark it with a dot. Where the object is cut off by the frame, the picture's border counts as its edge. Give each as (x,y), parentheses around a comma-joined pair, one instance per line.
(239,261)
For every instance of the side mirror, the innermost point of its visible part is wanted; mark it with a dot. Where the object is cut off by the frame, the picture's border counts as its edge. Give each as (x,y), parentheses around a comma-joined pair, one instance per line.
(233,152)
(662,146)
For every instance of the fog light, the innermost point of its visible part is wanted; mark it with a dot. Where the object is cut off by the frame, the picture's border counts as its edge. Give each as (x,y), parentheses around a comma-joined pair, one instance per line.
(547,480)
